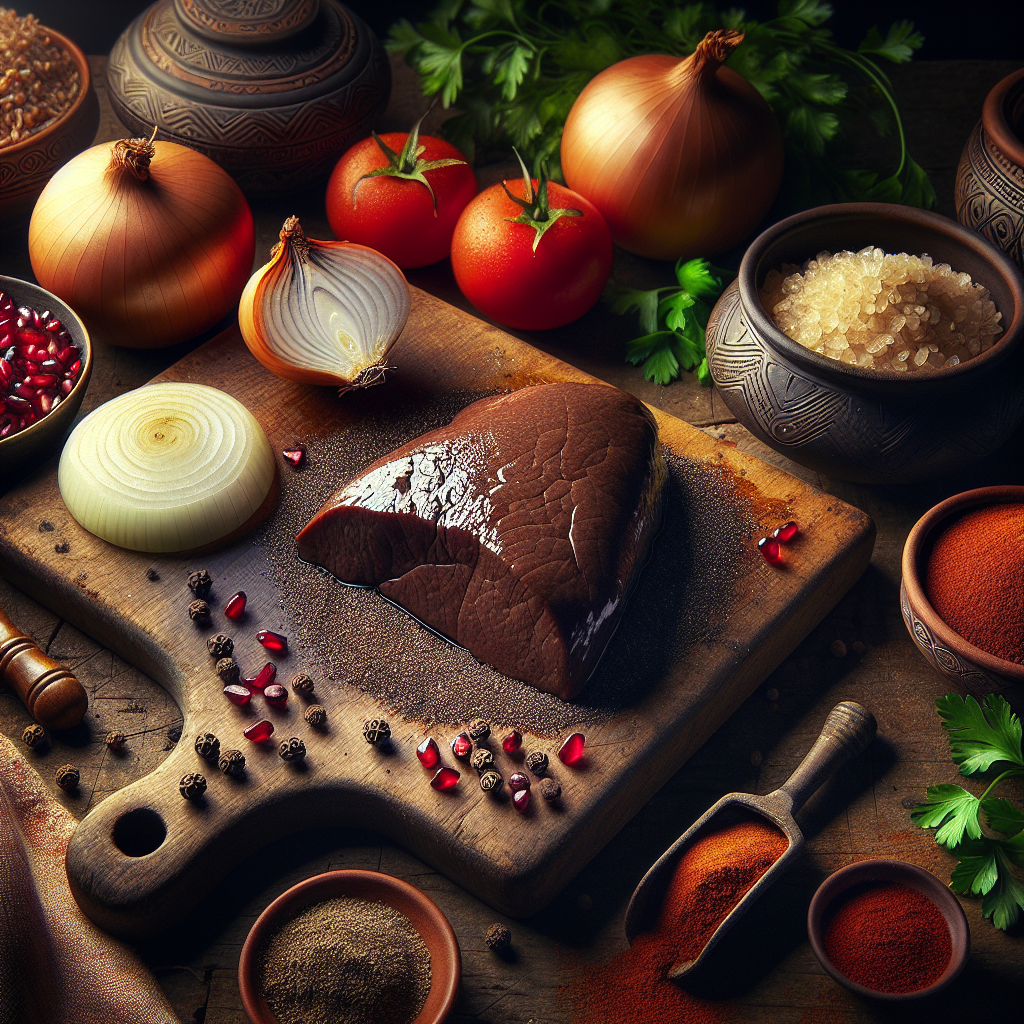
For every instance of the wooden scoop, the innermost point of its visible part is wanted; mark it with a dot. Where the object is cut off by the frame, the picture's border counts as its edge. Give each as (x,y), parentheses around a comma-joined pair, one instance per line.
(847,731)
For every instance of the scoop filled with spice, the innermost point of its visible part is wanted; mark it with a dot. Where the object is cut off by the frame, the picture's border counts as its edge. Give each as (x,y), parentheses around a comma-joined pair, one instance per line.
(718,868)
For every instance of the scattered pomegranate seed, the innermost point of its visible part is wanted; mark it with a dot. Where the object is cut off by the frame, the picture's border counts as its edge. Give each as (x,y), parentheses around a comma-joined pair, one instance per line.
(512,742)
(786,532)
(276,694)
(462,746)
(240,695)
(235,608)
(445,778)
(259,731)
(295,456)
(263,678)
(521,800)
(517,781)
(428,753)
(770,550)
(273,641)
(571,751)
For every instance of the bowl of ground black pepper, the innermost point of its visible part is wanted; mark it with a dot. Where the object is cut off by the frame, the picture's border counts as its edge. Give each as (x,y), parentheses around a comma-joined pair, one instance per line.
(961,594)
(888,930)
(350,947)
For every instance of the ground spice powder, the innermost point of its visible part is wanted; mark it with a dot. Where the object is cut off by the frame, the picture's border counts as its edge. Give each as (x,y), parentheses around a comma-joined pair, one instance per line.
(346,961)
(889,938)
(975,579)
(710,879)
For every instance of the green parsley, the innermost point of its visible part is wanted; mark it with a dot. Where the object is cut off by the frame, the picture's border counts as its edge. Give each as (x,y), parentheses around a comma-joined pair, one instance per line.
(980,737)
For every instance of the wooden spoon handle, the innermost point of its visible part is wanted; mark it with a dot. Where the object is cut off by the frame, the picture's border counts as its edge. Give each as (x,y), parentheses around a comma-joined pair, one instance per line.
(847,731)
(52,695)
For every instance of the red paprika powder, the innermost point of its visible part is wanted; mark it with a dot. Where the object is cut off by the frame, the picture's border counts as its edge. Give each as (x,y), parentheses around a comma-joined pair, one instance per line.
(711,878)
(889,938)
(975,579)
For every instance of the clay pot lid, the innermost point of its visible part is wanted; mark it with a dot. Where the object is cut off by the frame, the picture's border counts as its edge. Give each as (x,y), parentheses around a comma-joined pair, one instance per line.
(236,23)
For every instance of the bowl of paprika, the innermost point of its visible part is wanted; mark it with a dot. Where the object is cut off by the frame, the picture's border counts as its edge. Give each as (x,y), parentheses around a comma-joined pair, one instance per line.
(888,930)
(961,596)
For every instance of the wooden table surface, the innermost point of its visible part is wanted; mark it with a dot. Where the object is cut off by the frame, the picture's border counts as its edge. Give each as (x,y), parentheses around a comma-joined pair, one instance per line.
(863,813)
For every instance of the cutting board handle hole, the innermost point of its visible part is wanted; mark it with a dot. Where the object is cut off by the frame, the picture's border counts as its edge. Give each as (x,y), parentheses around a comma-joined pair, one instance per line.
(139,832)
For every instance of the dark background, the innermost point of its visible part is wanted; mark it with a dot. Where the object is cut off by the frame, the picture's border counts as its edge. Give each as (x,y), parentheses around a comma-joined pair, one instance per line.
(983,29)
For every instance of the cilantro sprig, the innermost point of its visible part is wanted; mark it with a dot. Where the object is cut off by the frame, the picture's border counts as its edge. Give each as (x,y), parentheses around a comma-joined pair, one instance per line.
(981,736)
(673,320)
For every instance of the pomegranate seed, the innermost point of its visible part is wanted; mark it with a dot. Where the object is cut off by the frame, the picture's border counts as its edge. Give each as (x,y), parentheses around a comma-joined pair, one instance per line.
(44,402)
(235,608)
(54,325)
(521,800)
(240,695)
(462,746)
(276,694)
(295,456)
(512,742)
(273,641)
(259,731)
(74,368)
(445,778)
(517,780)
(786,532)
(428,753)
(770,550)
(264,678)
(18,405)
(41,380)
(6,373)
(51,366)
(571,751)
(66,387)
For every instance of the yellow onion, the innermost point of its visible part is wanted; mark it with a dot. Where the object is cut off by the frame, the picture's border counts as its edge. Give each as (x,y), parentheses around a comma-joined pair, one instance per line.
(149,242)
(683,157)
(324,312)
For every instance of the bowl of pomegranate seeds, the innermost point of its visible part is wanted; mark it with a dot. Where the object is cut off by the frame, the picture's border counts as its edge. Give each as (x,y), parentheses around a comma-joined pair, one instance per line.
(45,363)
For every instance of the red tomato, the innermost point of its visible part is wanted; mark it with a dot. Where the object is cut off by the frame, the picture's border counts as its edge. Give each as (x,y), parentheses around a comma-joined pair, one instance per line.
(498,271)
(396,215)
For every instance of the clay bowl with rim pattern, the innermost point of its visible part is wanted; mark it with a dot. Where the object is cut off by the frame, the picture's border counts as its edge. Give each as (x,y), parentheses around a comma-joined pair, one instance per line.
(871,426)
(21,452)
(865,873)
(28,165)
(973,670)
(423,912)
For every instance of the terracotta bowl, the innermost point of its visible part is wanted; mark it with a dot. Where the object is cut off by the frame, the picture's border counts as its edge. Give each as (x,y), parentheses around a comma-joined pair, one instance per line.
(423,912)
(27,166)
(990,180)
(21,452)
(973,670)
(868,425)
(838,885)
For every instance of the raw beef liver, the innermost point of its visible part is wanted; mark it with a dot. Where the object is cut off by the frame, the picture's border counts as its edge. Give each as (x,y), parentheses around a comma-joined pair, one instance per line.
(517,531)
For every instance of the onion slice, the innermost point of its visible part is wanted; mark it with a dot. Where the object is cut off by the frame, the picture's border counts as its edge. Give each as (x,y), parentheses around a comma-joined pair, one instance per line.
(169,467)
(324,312)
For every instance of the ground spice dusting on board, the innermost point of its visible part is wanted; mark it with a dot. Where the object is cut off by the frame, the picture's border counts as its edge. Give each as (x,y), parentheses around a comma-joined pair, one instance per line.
(710,879)
(346,961)
(354,636)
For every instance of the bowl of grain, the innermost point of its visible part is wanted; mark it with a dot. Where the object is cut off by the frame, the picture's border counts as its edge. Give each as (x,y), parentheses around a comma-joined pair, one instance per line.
(48,110)
(872,342)
(350,946)
(961,594)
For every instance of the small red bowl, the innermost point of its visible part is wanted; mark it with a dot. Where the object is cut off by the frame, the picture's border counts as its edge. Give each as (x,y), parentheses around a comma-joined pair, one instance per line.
(423,912)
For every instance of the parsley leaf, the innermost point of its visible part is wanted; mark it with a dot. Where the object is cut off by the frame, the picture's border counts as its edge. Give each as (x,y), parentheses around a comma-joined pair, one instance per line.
(898,46)
(952,808)
(1003,816)
(985,869)
(980,735)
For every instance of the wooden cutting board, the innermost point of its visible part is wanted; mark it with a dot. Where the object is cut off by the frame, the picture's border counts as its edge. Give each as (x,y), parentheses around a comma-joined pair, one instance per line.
(144,856)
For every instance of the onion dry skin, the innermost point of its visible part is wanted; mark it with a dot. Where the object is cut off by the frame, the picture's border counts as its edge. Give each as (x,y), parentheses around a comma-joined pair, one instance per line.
(169,467)
(149,242)
(683,157)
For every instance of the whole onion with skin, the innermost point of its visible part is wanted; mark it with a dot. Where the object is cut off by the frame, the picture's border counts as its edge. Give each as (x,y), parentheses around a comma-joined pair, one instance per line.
(683,157)
(149,242)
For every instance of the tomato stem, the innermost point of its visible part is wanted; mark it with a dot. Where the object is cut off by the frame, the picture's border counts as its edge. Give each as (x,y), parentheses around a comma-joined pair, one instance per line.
(536,212)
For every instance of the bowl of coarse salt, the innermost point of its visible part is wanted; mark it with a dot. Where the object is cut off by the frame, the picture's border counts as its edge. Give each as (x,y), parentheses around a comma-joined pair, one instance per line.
(872,342)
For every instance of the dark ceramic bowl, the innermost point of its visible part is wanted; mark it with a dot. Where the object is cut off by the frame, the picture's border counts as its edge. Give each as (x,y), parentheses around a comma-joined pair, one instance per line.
(32,446)
(872,426)
(423,912)
(27,166)
(838,885)
(973,670)
(990,180)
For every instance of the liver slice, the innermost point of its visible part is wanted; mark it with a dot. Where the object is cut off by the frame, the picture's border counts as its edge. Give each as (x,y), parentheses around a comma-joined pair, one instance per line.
(517,531)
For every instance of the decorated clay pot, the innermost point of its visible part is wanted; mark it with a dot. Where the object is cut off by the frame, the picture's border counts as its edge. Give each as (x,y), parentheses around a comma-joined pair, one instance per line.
(874,426)
(990,179)
(273,91)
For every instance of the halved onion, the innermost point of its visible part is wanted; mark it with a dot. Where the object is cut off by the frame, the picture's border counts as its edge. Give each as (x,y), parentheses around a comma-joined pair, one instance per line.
(324,312)
(169,467)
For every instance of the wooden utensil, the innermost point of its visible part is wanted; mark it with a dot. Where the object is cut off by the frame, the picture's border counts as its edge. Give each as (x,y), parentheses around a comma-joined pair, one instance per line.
(847,731)
(52,695)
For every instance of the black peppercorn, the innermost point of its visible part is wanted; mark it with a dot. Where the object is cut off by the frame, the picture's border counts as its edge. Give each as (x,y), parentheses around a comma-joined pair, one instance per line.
(376,730)
(232,762)
(499,938)
(316,715)
(220,646)
(292,749)
(208,746)
(550,790)
(152,575)
(199,613)
(115,741)
(199,582)
(302,684)
(67,777)
(537,762)
(491,782)
(481,760)
(478,730)
(192,786)
(227,670)
(34,736)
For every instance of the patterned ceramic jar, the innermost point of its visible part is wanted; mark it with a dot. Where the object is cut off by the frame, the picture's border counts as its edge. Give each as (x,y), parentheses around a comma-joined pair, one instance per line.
(874,426)
(990,179)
